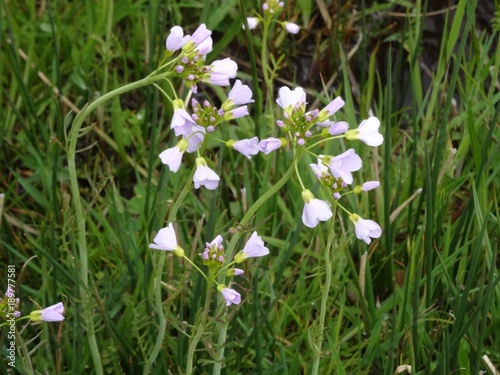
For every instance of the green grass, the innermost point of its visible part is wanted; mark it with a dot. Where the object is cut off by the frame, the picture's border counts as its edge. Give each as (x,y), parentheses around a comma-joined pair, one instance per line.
(426,294)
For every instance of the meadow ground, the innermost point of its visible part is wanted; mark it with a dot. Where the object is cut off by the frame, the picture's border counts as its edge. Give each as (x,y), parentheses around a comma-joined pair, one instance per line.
(84,193)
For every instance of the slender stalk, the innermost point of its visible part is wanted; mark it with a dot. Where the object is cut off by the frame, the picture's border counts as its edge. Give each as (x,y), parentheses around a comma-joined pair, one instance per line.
(78,206)
(324,299)
(201,326)
(223,325)
(162,323)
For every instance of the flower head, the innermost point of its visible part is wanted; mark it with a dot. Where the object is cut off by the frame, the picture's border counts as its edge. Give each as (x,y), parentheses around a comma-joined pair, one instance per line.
(252,23)
(291,99)
(204,176)
(270,144)
(230,295)
(365,228)
(253,248)
(220,71)
(315,210)
(213,256)
(176,39)
(172,157)
(342,165)
(182,122)
(367,132)
(49,314)
(167,240)
(291,27)
(247,147)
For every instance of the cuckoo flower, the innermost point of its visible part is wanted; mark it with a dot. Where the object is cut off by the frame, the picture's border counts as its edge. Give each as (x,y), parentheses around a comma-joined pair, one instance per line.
(253,248)
(176,39)
(342,165)
(230,295)
(181,122)
(172,157)
(291,27)
(252,23)
(247,147)
(166,240)
(315,210)
(220,71)
(49,314)
(367,132)
(204,176)
(365,228)
(270,144)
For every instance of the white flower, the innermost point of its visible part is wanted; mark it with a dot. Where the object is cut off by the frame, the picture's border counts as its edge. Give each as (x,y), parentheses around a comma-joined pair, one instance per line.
(367,132)
(221,71)
(365,228)
(194,138)
(230,295)
(253,248)
(239,94)
(172,157)
(320,170)
(252,23)
(366,186)
(181,122)
(315,210)
(176,39)
(200,41)
(49,314)
(247,147)
(290,99)
(291,27)
(166,240)
(342,165)
(270,144)
(204,176)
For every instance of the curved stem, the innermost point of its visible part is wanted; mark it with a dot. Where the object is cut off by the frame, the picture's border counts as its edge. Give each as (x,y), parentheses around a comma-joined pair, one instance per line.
(78,206)
(324,299)
(223,325)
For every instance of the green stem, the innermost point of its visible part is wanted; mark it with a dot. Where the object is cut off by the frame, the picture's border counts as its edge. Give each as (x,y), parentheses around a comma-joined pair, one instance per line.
(223,325)
(162,323)
(201,326)
(324,300)
(78,206)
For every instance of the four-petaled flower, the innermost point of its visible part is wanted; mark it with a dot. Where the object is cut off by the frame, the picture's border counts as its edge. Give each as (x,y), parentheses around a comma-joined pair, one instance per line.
(367,132)
(365,228)
(167,240)
(172,157)
(247,147)
(342,165)
(253,248)
(204,176)
(231,296)
(49,314)
(315,210)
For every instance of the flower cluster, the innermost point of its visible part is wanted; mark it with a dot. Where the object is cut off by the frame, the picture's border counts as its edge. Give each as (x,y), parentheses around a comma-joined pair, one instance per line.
(190,63)
(214,258)
(270,8)
(9,306)
(333,172)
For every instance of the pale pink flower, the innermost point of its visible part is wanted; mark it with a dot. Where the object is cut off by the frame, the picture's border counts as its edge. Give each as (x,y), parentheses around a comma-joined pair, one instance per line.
(247,147)
(200,41)
(230,295)
(181,122)
(176,39)
(234,272)
(236,113)
(367,132)
(270,144)
(204,176)
(367,186)
(320,170)
(166,240)
(253,248)
(290,99)
(221,71)
(365,228)
(49,314)
(252,23)
(172,157)
(291,27)
(342,165)
(239,94)
(315,210)
(194,138)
